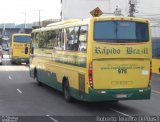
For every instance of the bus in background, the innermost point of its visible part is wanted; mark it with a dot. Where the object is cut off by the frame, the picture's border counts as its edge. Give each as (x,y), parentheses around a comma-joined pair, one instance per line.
(96,59)
(156,55)
(20,48)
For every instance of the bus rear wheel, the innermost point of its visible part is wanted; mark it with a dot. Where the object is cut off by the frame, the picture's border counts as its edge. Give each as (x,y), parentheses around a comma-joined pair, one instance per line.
(36,78)
(66,92)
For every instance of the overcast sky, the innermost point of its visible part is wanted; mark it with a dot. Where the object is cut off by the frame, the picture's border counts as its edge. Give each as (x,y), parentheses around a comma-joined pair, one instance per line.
(14,10)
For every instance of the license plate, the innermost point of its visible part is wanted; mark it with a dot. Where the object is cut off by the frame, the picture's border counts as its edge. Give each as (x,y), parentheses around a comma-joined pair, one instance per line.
(121,96)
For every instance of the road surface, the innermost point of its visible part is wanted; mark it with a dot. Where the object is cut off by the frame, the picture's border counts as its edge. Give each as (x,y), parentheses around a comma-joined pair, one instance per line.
(22,98)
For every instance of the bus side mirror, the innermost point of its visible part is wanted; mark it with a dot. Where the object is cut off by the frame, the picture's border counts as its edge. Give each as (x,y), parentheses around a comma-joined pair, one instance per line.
(26,50)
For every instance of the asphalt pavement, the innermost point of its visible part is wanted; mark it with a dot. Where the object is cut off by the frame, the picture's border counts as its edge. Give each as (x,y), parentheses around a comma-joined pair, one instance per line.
(23,100)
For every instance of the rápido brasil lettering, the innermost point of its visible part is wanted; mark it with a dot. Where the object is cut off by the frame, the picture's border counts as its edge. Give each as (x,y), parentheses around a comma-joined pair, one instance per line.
(107,51)
(129,51)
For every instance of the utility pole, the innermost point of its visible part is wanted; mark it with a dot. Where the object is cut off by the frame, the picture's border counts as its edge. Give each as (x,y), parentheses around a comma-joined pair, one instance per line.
(132,8)
(39,18)
(61,9)
(24,21)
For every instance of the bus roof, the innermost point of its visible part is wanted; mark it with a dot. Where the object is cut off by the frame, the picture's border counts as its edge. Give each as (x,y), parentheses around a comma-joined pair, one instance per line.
(19,34)
(120,18)
(85,21)
(63,22)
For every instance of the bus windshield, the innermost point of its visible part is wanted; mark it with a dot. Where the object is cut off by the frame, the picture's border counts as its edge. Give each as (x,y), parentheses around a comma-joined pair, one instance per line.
(121,31)
(22,39)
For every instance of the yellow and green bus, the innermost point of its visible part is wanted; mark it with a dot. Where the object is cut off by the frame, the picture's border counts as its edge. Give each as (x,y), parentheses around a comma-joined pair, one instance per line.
(95,59)
(20,48)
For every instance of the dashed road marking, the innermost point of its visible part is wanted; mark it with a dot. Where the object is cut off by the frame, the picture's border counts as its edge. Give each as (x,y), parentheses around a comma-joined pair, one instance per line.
(10,77)
(53,119)
(19,91)
(155,92)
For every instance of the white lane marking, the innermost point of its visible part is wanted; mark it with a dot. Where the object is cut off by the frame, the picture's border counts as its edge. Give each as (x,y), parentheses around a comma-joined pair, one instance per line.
(10,77)
(19,91)
(155,92)
(121,113)
(53,119)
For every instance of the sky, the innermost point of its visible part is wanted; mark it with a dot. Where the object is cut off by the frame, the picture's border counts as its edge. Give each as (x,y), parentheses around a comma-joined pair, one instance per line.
(20,11)
(13,11)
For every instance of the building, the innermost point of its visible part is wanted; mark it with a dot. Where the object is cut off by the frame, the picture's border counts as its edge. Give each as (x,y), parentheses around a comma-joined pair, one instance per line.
(7,29)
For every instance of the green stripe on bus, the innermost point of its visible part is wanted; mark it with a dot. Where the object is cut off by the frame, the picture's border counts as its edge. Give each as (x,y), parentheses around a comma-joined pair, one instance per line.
(110,95)
(49,78)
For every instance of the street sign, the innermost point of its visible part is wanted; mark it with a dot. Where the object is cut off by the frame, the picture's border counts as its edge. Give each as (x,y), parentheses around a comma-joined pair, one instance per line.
(96,12)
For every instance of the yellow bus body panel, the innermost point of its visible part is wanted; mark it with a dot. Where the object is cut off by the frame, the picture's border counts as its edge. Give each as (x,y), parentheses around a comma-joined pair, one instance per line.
(156,66)
(120,73)
(45,60)
(115,67)
(121,65)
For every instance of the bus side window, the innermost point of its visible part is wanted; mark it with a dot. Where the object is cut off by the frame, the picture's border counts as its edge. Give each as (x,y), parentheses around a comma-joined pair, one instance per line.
(35,40)
(53,38)
(72,38)
(76,37)
(47,40)
(83,38)
(60,39)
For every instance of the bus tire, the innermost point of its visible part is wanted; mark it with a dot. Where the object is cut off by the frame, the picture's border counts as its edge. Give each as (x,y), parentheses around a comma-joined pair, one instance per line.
(36,78)
(38,82)
(66,92)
